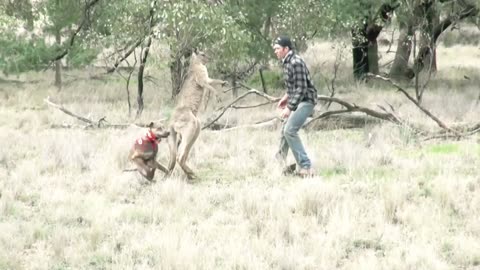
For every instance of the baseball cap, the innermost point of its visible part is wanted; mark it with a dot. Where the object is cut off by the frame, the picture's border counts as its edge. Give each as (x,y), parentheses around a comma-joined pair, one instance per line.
(284,41)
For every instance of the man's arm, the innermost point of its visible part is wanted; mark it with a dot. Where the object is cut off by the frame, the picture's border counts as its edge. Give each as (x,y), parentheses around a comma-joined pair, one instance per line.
(283,102)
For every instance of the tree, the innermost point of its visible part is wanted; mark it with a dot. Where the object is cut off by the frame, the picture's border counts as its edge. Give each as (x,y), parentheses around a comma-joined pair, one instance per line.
(36,51)
(430,19)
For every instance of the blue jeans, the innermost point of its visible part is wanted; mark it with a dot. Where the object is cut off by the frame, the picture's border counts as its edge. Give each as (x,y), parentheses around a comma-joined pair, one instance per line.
(289,136)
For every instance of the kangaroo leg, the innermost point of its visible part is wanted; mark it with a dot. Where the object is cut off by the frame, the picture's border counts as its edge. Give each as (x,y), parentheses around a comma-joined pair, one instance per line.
(160,166)
(172,145)
(189,136)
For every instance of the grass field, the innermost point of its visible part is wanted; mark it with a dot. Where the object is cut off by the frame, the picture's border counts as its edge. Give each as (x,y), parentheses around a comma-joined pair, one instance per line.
(382,199)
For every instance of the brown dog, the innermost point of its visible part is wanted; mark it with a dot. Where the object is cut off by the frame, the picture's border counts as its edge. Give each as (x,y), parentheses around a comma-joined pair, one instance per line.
(144,152)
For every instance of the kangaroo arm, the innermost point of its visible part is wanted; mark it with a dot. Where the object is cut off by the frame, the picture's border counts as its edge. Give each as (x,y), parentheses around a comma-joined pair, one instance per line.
(215,82)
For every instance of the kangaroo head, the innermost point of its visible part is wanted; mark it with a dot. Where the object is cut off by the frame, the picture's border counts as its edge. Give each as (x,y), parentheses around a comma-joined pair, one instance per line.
(199,56)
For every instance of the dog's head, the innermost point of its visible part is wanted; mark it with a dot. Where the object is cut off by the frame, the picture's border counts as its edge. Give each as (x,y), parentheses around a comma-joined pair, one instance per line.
(157,132)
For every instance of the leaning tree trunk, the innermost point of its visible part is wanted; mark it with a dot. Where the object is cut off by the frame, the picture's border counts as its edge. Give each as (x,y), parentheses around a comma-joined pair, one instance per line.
(400,70)
(427,39)
(467,11)
(426,53)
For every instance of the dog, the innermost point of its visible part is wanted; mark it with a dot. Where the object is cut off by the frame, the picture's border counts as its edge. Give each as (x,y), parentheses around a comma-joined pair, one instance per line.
(144,152)
(185,124)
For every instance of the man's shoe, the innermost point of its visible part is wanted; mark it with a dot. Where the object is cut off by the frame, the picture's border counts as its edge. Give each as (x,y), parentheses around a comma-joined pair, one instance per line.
(290,169)
(303,172)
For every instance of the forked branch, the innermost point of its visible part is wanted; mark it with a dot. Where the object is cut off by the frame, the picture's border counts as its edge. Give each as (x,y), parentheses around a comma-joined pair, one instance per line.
(231,104)
(424,110)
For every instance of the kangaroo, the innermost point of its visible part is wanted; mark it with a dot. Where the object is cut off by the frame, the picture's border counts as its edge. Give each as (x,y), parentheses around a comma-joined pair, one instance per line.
(185,125)
(144,152)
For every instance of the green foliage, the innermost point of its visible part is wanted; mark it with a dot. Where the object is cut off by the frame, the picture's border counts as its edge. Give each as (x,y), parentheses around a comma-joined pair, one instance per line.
(80,56)
(117,23)
(443,149)
(19,55)
(19,9)
(273,80)
(61,14)
(29,52)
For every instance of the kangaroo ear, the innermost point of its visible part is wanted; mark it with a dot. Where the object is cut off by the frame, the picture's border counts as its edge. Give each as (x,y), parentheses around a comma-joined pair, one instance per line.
(150,125)
(195,51)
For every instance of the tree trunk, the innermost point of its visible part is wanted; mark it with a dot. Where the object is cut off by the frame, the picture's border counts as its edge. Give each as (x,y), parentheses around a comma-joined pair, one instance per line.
(372,54)
(143,61)
(264,87)
(360,55)
(178,70)
(141,69)
(400,70)
(58,63)
(267,26)
(427,37)
(426,56)
(365,52)
(364,41)
(234,85)
(176,75)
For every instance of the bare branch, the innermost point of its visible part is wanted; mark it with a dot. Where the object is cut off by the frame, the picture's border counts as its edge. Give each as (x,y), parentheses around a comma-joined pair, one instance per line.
(251,91)
(101,123)
(424,110)
(324,115)
(61,108)
(125,56)
(252,106)
(268,123)
(355,108)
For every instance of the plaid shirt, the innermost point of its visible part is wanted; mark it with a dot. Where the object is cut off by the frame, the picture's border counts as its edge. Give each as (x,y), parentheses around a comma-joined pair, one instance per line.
(298,82)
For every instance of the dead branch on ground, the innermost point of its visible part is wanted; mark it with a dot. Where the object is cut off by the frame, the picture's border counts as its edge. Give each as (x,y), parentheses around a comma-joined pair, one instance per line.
(100,123)
(384,114)
(424,110)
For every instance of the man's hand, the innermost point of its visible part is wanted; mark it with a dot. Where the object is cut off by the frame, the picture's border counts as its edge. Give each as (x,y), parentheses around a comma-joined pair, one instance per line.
(283,102)
(285,113)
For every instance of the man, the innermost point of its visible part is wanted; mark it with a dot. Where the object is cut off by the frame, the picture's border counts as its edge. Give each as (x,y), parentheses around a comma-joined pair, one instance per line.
(296,105)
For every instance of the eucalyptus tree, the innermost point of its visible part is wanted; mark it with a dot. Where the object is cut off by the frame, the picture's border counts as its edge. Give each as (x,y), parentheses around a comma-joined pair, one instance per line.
(427,19)
(64,19)
(49,30)
(20,51)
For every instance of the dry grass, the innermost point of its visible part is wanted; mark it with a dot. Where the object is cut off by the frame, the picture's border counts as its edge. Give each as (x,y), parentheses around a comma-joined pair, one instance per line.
(382,200)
